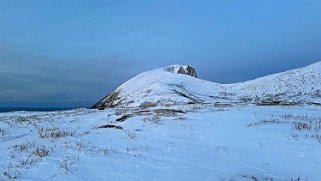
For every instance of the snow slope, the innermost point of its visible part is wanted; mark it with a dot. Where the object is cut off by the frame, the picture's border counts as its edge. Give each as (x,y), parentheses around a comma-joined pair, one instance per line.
(163,87)
(199,142)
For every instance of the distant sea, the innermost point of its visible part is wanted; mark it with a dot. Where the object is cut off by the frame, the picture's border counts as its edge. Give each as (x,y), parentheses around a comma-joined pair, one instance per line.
(11,109)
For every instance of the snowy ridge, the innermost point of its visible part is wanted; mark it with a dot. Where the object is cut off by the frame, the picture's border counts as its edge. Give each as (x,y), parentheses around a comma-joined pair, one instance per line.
(166,86)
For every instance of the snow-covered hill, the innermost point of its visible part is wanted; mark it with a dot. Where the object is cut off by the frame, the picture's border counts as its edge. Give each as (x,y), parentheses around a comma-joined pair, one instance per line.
(177,84)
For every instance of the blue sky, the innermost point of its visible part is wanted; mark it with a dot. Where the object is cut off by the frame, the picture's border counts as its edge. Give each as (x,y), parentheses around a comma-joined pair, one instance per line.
(72,53)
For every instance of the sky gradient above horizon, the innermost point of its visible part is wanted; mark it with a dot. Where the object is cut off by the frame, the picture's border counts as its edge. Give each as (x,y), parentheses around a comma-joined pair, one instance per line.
(72,53)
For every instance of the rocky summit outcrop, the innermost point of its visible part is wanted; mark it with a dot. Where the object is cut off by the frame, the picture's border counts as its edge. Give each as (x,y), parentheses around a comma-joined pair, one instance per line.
(187,70)
(179,85)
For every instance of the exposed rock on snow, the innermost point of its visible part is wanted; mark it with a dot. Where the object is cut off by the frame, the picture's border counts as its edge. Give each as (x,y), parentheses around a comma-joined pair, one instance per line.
(188,70)
(111,100)
(174,85)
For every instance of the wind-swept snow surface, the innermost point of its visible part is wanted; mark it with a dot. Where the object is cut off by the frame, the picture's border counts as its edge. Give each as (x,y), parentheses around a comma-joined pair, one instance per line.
(192,142)
(166,87)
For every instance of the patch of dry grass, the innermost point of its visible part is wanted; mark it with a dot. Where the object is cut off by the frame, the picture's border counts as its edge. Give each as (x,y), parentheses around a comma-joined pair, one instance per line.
(54,133)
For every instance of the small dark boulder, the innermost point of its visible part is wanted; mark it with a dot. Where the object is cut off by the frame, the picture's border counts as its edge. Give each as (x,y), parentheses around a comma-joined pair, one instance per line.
(110,126)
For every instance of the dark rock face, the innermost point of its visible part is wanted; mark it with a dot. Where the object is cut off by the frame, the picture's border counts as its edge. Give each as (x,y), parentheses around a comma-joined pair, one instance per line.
(188,71)
(111,100)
